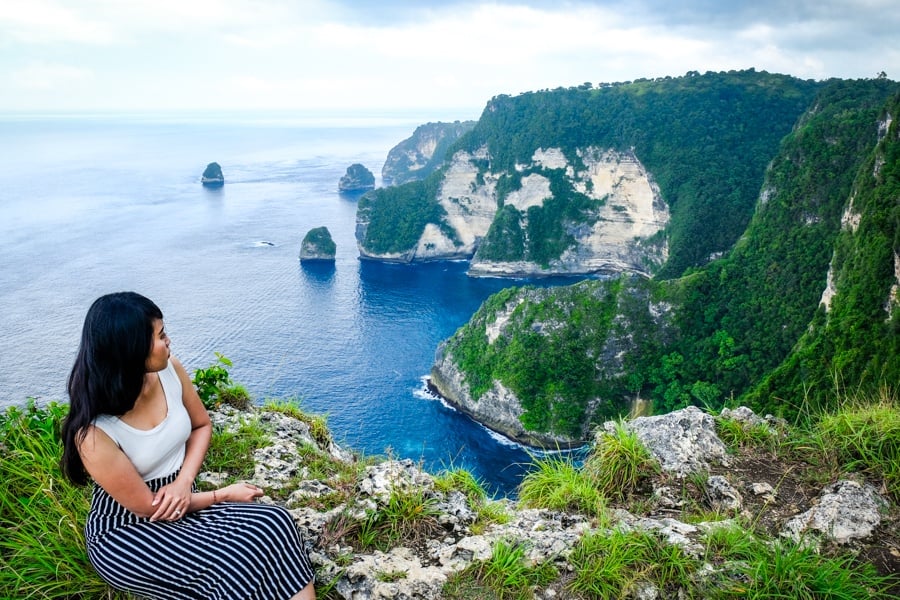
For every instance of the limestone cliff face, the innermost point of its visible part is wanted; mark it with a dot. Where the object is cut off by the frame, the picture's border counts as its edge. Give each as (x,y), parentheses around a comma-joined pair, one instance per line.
(622,234)
(420,154)
(470,208)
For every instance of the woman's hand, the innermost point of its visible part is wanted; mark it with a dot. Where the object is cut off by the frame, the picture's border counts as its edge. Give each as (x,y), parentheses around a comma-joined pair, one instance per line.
(172,501)
(240,492)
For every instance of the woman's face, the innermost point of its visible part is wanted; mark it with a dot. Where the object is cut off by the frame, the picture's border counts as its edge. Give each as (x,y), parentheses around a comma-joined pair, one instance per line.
(158,359)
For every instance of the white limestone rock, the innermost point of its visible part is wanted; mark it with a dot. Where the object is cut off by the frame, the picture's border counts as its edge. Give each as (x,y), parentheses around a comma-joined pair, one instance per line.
(846,511)
(683,441)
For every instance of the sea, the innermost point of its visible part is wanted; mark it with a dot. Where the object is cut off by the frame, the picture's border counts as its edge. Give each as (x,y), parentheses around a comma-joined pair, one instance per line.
(97,203)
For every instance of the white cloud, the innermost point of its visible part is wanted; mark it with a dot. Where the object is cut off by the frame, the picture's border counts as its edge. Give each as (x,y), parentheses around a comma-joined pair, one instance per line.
(49,77)
(46,21)
(328,53)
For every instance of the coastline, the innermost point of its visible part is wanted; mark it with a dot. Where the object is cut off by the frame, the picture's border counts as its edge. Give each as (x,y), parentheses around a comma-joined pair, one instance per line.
(528,443)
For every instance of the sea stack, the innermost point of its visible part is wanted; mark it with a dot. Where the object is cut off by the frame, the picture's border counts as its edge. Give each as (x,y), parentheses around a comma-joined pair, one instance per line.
(317,245)
(212,175)
(357,179)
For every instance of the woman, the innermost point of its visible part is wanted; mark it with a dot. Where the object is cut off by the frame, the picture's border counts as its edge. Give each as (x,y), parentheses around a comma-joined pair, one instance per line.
(136,426)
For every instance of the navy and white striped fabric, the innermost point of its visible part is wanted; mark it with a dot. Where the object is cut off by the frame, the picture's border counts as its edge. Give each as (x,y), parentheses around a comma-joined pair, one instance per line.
(229,551)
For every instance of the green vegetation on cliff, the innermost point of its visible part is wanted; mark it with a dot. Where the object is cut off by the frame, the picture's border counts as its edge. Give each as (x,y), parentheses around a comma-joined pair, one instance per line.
(548,354)
(857,342)
(739,317)
(747,327)
(395,217)
(540,235)
(706,139)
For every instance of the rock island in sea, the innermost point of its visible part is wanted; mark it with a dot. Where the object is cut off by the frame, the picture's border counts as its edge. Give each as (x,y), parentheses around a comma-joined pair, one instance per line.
(357,179)
(318,245)
(212,175)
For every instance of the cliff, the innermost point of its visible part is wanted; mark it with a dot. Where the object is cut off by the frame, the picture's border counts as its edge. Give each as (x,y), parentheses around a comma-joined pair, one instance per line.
(387,529)
(807,294)
(688,504)
(423,152)
(648,177)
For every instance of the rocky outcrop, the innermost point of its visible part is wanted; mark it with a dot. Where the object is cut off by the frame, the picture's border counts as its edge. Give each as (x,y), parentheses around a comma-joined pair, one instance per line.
(683,441)
(498,409)
(543,320)
(212,175)
(420,154)
(357,179)
(317,245)
(419,570)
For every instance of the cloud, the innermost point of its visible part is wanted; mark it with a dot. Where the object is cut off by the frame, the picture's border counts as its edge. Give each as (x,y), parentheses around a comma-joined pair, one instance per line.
(395,53)
(49,77)
(46,22)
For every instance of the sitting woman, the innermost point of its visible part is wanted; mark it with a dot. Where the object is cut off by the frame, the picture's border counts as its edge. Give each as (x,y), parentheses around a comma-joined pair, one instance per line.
(137,427)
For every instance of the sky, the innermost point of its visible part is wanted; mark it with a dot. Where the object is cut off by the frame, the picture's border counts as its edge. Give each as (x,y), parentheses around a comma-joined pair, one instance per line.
(345,56)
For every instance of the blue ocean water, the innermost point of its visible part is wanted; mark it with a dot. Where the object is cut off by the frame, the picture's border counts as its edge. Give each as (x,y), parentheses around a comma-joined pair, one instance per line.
(101,203)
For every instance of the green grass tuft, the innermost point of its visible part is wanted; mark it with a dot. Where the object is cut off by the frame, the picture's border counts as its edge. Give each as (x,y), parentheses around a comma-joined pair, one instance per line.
(865,437)
(507,574)
(619,463)
(558,484)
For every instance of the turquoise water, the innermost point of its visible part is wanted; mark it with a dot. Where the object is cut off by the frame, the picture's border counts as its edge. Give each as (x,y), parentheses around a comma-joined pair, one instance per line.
(90,205)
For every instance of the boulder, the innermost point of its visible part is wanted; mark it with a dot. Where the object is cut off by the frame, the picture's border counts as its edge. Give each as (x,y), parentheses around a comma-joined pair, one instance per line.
(683,441)
(846,511)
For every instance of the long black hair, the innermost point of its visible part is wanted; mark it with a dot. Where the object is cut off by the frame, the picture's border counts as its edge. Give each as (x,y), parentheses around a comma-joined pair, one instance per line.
(109,368)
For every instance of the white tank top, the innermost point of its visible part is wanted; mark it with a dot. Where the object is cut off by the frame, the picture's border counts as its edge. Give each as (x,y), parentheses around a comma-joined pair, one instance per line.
(159,451)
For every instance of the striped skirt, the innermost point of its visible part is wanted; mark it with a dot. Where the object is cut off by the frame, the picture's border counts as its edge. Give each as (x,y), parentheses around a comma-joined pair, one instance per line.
(228,551)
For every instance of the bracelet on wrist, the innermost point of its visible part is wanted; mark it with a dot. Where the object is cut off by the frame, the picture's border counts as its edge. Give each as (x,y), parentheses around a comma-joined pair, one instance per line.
(215,500)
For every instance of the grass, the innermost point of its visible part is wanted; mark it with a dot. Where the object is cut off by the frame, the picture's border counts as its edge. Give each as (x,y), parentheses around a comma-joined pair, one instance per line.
(619,463)
(507,574)
(558,484)
(487,511)
(865,438)
(616,564)
(751,567)
(42,552)
(408,518)
(231,451)
(737,435)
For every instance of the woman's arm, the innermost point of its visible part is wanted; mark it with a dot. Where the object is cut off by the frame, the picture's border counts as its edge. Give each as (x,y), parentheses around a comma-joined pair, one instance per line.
(176,499)
(114,472)
(201,426)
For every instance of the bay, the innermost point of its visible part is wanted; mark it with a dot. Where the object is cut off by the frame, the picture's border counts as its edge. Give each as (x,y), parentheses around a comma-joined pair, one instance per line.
(91,204)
